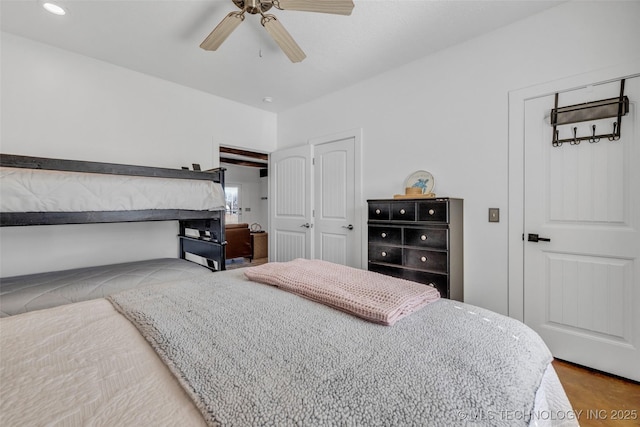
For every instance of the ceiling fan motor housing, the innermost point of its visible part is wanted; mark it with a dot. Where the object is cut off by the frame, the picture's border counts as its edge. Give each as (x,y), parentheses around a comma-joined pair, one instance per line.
(253,6)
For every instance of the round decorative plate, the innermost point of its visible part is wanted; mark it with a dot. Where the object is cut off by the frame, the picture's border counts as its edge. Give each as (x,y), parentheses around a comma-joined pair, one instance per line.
(421,179)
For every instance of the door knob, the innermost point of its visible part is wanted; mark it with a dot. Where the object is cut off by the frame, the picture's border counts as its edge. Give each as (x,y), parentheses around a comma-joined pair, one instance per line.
(306,225)
(536,238)
(348,227)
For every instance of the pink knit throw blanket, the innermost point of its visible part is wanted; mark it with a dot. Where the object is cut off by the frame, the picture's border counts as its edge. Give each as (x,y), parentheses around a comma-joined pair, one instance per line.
(366,294)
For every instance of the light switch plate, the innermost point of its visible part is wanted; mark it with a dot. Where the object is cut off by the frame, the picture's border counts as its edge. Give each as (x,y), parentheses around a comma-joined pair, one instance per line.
(494,215)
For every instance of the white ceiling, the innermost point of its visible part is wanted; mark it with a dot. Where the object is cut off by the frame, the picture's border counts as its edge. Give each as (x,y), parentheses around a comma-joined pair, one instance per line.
(162,37)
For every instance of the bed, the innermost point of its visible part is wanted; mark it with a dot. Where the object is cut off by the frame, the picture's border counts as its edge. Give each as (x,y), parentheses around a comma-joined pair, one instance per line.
(44,191)
(259,355)
(242,347)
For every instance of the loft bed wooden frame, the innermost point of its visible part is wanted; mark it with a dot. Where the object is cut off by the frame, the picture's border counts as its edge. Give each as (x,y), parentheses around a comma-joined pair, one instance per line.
(209,224)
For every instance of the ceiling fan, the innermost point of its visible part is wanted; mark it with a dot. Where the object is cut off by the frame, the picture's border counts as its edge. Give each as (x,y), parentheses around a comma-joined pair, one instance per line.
(271,23)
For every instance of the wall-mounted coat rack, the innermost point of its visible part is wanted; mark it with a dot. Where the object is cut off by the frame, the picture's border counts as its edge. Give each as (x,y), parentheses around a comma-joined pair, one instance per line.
(595,110)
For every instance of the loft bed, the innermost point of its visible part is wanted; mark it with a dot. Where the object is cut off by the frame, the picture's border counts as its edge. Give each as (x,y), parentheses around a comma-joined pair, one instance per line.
(86,217)
(45,191)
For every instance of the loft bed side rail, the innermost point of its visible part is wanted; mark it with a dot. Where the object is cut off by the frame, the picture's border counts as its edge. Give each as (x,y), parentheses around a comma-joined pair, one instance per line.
(16,219)
(28,162)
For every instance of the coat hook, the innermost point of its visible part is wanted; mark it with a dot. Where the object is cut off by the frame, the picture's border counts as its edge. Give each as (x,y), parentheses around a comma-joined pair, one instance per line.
(575,137)
(614,136)
(593,135)
(556,137)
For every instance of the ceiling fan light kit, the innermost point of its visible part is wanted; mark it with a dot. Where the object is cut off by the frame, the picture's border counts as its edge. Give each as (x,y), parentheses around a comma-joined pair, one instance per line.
(275,29)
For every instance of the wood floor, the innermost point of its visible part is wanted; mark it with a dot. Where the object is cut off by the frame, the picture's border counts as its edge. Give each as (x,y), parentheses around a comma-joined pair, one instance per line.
(244,262)
(599,399)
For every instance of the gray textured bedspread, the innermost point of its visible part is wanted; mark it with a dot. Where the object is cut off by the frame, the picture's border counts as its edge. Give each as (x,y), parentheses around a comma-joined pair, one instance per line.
(20,294)
(251,354)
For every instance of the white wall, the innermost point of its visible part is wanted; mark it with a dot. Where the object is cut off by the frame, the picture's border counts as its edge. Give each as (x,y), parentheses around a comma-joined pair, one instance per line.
(59,104)
(448,114)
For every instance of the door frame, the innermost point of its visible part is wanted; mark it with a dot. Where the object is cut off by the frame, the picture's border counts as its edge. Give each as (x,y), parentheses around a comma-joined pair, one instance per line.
(516,139)
(359,214)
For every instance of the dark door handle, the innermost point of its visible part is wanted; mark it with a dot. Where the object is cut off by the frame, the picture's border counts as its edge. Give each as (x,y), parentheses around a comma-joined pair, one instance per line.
(348,227)
(536,238)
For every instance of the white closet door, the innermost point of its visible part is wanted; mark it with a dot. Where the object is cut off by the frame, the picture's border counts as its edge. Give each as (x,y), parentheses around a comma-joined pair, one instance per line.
(291,234)
(335,232)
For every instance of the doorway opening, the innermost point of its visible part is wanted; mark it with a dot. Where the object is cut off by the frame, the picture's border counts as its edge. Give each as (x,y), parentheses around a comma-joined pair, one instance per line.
(246,189)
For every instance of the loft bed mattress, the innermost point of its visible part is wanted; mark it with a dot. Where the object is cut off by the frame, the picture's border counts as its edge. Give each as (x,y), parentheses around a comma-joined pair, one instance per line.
(20,294)
(35,190)
(86,364)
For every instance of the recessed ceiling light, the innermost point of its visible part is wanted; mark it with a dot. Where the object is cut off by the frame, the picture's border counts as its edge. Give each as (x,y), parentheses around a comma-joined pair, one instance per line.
(54,8)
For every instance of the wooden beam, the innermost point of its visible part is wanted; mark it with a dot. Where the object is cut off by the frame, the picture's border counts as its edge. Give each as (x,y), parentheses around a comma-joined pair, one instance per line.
(243,162)
(245,153)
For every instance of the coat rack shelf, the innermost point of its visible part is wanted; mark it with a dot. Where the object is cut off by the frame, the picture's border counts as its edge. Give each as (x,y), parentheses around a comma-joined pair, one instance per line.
(595,110)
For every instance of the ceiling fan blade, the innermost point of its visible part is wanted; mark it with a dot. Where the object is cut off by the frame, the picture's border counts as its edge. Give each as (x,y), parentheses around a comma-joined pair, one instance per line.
(338,7)
(222,31)
(283,38)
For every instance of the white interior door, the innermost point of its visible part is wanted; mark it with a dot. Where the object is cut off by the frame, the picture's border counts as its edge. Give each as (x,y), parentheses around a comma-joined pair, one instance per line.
(582,288)
(336,232)
(233,197)
(290,204)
